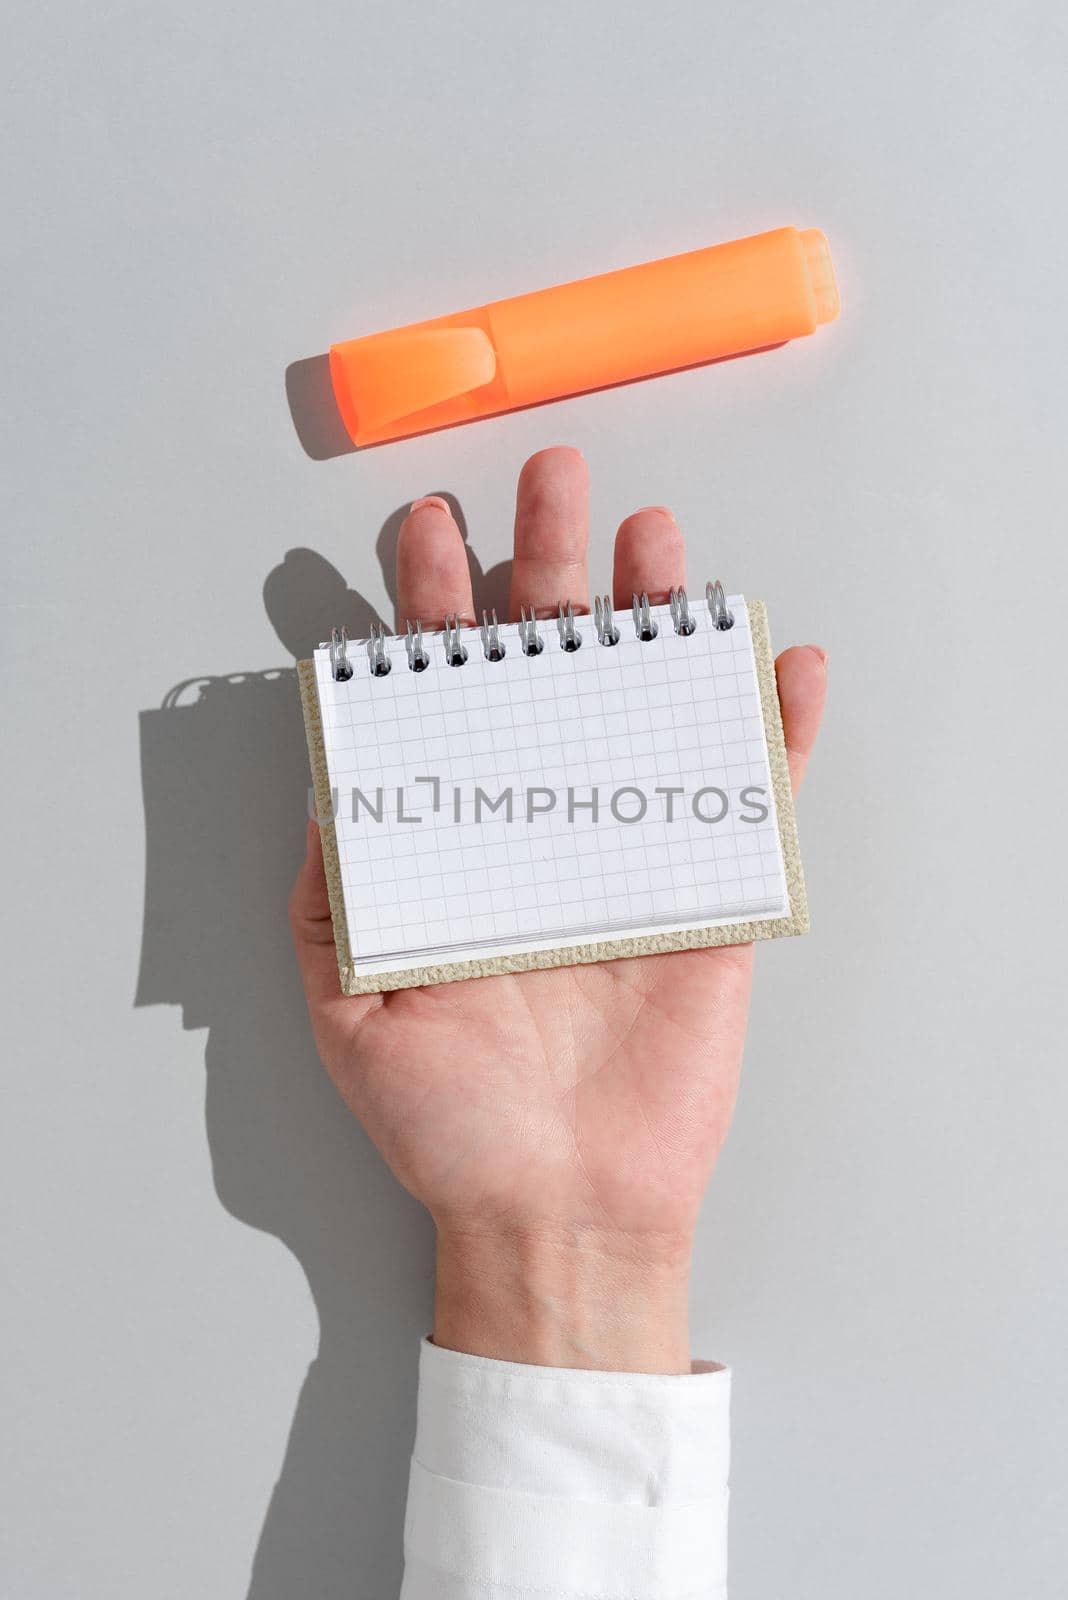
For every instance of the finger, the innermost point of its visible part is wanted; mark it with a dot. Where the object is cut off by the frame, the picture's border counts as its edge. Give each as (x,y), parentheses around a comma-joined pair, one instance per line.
(433,577)
(311,924)
(650,557)
(802,677)
(313,937)
(551,532)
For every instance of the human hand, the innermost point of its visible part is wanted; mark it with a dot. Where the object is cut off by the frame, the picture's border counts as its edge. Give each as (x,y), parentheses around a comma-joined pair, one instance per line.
(560,1126)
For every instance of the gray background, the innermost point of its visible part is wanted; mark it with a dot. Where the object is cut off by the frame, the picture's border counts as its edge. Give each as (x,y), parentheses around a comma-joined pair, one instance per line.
(216,1291)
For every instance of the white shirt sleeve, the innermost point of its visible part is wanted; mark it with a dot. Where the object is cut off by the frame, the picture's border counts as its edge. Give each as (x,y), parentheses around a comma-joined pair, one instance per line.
(546,1483)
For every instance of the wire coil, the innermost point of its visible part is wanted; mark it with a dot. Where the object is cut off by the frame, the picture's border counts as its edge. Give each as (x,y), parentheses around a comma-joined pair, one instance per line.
(493,634)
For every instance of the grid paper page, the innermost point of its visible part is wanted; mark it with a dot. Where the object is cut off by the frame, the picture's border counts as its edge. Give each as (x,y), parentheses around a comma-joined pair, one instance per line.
(425,768)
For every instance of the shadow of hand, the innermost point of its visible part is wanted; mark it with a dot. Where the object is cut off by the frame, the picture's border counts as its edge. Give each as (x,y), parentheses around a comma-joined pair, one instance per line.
(225,780)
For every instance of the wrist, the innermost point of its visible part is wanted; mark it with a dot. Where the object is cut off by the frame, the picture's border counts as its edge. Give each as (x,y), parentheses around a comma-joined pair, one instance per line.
(565,1297)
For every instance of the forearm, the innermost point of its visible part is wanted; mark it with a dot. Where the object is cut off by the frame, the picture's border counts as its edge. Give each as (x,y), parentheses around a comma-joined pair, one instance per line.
(566,1297)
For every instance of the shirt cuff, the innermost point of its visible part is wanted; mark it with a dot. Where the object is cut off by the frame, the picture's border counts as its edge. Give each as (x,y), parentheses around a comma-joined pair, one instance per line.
(529,1483)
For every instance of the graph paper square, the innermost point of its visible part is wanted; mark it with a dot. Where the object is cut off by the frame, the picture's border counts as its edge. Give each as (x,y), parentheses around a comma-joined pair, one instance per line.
(521,809)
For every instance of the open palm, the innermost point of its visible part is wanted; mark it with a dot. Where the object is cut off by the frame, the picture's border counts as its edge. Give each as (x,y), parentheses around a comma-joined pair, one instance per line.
(592,1098)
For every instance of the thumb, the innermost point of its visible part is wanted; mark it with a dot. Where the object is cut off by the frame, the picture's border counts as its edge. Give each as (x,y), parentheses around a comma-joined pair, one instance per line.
(312,926)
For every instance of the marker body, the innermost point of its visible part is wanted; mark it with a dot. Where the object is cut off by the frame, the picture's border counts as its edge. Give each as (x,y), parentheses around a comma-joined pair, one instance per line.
(634,323)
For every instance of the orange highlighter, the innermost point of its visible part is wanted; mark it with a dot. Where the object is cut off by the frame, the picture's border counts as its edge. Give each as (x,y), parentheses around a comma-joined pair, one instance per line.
(678,312)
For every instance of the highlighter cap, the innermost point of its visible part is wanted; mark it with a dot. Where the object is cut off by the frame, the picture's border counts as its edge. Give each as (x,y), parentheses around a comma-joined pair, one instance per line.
(386,377)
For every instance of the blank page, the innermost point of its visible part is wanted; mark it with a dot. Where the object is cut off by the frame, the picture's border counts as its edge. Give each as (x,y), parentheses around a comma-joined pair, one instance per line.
(541,801)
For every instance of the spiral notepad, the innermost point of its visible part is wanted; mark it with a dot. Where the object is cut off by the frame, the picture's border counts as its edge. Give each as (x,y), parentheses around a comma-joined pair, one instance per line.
(552,791)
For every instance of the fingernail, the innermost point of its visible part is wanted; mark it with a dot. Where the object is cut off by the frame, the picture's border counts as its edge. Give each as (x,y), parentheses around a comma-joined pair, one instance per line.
(311,838)
(430,500)
(818,650)
(663,511)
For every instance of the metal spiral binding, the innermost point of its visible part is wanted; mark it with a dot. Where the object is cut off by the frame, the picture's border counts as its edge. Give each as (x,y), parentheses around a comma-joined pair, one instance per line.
(376,651)
(418,660)
(529,637)
(644,626)
(607,632)
(340,665)
(722,618)
(570,638)
(492,643)
(530,640)
(455,650)
(681,615)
